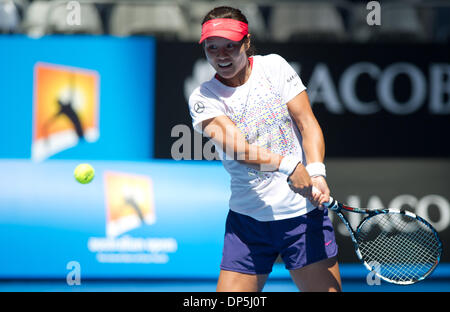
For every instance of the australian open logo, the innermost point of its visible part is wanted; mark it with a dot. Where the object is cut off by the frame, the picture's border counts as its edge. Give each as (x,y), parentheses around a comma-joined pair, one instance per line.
(65,108)
(129,207)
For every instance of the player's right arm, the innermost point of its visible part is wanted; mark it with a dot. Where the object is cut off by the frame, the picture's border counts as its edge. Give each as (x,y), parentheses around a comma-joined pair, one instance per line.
(223,132)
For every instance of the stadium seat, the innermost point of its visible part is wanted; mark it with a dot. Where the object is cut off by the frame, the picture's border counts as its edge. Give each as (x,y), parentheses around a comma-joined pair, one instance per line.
(9,17)
(359,29)
(35,19)
(306,21)
(158,19)
(44,17)
(63,21)
(400,23)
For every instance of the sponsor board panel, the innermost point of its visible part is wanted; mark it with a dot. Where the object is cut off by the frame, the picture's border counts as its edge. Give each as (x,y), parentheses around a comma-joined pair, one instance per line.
(73,97)
(377,100)
(169,216)
(161,219)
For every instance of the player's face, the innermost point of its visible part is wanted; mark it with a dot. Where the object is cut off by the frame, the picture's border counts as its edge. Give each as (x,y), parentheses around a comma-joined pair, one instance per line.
(228,57)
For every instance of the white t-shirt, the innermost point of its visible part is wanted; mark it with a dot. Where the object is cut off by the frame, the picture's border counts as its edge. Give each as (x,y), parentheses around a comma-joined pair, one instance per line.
(258,108)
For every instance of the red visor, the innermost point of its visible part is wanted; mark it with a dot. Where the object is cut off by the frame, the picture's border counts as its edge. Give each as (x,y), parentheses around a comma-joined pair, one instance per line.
(224,27)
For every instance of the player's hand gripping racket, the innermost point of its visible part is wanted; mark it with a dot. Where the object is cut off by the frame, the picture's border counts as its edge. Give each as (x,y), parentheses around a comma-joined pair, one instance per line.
(403,247)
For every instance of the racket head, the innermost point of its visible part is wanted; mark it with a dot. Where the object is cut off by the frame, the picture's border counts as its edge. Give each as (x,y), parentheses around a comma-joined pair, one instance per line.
(403,247)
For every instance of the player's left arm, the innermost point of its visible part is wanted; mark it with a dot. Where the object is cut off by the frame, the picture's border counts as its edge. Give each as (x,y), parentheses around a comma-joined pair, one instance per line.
(312,140)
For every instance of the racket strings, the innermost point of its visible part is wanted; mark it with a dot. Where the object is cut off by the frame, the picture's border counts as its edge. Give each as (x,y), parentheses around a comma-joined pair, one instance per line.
(401,247)
(400,263)
(399,268)
(400,259)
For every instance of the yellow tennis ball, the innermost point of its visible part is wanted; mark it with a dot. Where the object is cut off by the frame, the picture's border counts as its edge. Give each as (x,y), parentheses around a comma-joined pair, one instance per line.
(84,173)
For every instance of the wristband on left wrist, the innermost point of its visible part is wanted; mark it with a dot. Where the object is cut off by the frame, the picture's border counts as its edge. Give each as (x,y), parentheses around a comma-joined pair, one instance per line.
(316,169)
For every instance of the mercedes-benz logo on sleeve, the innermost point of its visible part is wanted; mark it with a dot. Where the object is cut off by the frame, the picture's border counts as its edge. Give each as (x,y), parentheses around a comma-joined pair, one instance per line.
(199,107)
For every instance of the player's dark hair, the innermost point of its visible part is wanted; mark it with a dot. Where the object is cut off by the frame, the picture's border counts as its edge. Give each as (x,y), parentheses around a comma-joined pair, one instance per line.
(233,13)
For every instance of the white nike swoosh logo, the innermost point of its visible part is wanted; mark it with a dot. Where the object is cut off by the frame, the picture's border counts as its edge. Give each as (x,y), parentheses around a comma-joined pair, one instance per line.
(216,24)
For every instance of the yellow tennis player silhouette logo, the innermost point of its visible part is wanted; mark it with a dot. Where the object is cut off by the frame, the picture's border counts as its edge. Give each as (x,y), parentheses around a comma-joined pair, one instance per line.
(65,108)
(129,200)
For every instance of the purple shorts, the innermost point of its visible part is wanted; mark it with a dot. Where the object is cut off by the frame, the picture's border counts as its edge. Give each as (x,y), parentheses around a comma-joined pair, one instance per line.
(252,246)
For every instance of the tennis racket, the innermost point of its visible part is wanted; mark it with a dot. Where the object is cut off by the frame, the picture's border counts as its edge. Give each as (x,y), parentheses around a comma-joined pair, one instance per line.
(403,247)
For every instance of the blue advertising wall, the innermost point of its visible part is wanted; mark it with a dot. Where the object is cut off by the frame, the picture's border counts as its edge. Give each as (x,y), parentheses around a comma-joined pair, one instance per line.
(125,67)
(48,220)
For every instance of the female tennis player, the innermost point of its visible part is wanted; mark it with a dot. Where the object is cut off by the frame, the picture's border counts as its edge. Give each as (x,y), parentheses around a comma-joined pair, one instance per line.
(257,113)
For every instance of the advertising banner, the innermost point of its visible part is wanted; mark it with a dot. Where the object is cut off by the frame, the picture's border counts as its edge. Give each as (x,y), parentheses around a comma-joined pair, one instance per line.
(161,219)
(166,218)
(381,100)
(69,97)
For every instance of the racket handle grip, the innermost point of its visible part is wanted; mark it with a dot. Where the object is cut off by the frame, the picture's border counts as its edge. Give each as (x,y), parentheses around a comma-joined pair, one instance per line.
(330,202)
